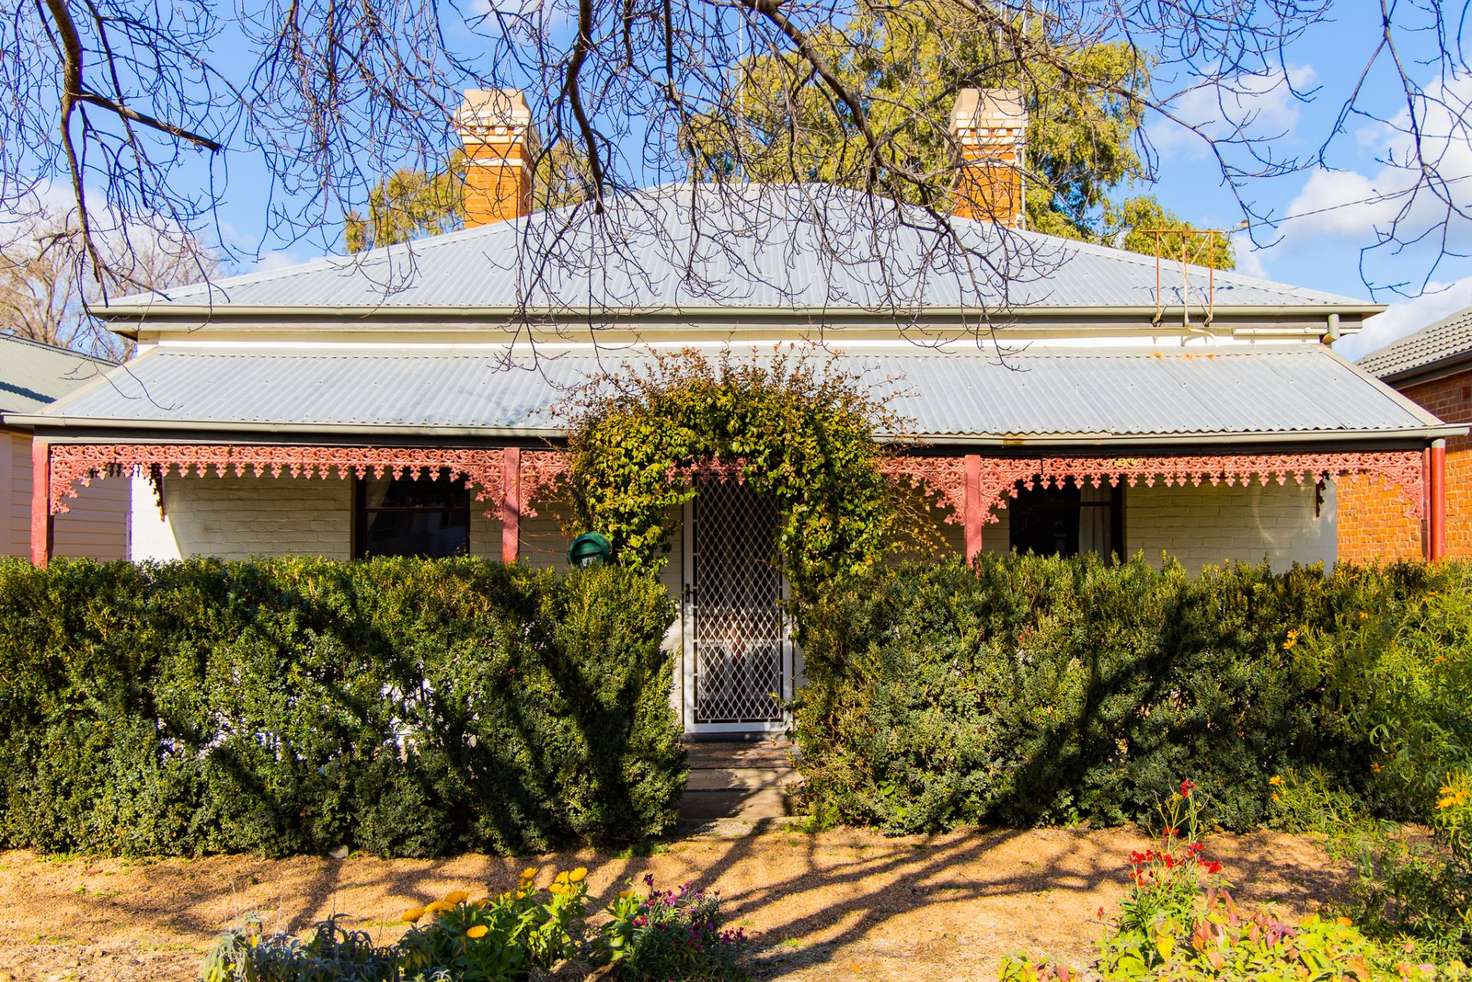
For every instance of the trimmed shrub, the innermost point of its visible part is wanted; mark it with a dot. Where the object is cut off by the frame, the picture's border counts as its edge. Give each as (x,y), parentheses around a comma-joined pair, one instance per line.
(1040,689)
(403,707)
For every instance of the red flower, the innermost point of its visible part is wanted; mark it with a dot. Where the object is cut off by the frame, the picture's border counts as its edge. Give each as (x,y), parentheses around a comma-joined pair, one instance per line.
(1211,866)
(1138,858)
(1187,786)
(1170,861)
(1170,832)
(1194,849)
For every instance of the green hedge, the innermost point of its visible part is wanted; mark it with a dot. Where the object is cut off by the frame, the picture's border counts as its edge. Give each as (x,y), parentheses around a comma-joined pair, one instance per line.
(403,707)
(1041,690)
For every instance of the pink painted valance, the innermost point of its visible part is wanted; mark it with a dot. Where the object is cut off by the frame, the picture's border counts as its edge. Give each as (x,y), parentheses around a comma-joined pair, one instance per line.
(486,471)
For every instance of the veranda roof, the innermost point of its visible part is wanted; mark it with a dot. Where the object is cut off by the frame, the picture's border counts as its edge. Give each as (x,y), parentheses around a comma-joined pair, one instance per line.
(1037,396)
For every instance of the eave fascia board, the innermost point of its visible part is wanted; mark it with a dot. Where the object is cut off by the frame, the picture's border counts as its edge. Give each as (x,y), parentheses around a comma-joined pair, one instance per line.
(683,314)
(343,432)
(1433,371)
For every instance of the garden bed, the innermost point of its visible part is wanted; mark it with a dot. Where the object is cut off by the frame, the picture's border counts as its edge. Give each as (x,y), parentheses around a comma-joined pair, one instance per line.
(947,906)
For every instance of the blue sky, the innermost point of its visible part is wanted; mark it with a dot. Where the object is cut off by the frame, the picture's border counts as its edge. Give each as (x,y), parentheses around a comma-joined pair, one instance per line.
(1321,250)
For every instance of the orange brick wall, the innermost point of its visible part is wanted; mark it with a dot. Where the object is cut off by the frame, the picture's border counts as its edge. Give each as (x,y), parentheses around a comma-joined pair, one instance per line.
(1450,398)
(1371,525)
(1372,521)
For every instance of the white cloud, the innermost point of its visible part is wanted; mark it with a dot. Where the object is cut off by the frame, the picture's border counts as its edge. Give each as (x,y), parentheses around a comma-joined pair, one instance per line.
(1259,106)
(1408,316)
(277,259)
(1249,260)
(1361,204)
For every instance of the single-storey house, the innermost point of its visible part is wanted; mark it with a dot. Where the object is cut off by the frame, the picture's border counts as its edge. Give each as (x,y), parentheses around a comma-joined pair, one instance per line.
(33,375)
(1120,404)
(1432,367)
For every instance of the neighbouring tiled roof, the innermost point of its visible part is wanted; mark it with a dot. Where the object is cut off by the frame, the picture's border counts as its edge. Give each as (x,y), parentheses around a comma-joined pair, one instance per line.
(1107,393)
(799,247)
(34,375)
(1448,340)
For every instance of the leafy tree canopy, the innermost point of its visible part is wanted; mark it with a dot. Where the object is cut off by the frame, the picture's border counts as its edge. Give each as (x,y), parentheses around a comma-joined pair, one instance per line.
(410,204)
(909,61)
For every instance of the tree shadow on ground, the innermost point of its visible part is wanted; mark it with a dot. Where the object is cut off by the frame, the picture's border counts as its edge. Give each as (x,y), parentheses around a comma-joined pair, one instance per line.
(808,899)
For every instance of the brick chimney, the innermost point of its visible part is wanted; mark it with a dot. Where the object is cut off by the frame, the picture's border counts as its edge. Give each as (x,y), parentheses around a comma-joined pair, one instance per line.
(495,127)
(990,129)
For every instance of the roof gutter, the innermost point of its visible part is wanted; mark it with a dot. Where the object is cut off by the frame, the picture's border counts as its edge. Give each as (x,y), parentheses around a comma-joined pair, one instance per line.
(142,311)
(1431,371)
(1000,441)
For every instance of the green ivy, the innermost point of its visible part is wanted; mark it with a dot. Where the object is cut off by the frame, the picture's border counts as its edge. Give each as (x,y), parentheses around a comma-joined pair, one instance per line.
(802,432)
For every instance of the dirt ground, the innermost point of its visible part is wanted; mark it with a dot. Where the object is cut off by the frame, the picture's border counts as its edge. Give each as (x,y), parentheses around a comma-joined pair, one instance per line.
(844,903)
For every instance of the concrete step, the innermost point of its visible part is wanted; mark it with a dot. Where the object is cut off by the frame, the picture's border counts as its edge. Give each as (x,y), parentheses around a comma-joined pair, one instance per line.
(740,778)
(754,753)
(746,780)
(728,803)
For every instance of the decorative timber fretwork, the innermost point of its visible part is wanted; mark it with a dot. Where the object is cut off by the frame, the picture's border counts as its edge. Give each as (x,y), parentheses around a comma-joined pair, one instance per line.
(74,464)
(508,480)
(1401,468)
(541,471)
(973,487)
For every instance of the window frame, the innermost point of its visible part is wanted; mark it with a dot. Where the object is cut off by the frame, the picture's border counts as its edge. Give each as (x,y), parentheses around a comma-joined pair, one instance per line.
(361,511)
(1115,504)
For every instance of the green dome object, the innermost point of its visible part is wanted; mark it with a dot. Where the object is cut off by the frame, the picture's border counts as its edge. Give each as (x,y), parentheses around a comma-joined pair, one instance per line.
(589,549)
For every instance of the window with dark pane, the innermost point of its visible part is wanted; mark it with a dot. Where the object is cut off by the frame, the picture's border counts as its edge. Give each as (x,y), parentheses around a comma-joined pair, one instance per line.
(412,516)
(1067,520)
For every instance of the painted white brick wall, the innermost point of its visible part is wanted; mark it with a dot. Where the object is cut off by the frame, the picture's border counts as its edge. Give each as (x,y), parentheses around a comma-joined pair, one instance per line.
(1201,525)
(239,517)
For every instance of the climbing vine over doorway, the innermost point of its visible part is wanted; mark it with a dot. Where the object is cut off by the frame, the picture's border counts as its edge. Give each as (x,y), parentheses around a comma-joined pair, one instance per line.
(790,426)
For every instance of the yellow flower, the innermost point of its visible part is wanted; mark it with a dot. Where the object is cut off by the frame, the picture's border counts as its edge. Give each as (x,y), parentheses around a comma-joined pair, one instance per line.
(1376,768)
(477,931)
(530,873)
(1276,780)
(1364,615)
(1452,798)
(411,915)
(456,897)
(578,875)
(437,907)
(561,877)
(1291,640)
(1344,922)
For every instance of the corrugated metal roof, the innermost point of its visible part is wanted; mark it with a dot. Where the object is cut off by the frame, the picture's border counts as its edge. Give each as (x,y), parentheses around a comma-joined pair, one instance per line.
(1448,339)
(34,375)
(1119,393)
(805,247)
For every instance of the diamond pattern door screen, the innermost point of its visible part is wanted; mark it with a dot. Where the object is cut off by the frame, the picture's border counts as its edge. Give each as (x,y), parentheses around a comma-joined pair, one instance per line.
(738,640)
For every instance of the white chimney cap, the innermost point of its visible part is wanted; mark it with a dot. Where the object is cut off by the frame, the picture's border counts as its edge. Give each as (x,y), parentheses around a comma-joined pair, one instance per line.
(487,111)
(988,109)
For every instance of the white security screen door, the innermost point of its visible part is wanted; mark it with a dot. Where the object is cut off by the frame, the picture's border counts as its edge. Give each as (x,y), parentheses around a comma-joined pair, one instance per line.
(738,658)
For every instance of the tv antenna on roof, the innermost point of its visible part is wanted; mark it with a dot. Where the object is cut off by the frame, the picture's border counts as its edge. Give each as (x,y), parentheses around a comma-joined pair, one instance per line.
(1191,248)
